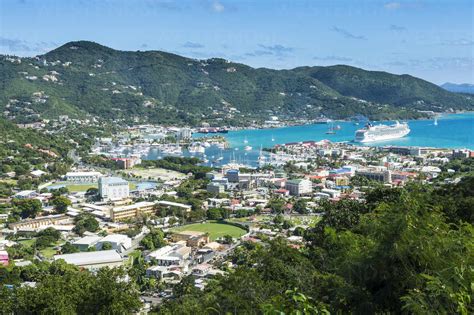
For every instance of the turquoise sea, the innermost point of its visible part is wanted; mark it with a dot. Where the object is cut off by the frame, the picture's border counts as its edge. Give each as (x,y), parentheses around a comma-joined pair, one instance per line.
(452,131)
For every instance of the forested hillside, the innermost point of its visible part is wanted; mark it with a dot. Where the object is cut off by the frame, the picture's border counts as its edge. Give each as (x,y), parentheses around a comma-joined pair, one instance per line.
(85,78)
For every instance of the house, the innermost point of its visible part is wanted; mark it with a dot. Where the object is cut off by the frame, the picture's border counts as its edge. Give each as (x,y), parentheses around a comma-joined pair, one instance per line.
(93,260)
(37,173)
(119,242)
(3,257)
(298,187)
(26,194)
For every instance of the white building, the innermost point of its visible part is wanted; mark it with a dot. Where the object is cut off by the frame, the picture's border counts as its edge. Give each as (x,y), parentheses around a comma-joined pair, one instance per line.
(93,260)
(119,242)
(184,133)
(113,188)
(169,255)
(83,177)
(298,187)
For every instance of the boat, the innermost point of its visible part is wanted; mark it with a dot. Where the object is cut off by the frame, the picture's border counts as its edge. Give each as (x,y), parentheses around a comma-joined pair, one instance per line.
(435,121)
(331,129)
(273,138)
(197,149)
(245,140)
(248,148)
(381,132)
(338,127)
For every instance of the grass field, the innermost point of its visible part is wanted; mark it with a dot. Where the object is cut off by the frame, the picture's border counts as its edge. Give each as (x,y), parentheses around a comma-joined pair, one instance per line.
(47,252)
(156,173)
(215,230)
(83,187)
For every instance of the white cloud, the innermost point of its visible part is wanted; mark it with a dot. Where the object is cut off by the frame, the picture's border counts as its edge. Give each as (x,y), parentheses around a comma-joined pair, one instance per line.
(218,6)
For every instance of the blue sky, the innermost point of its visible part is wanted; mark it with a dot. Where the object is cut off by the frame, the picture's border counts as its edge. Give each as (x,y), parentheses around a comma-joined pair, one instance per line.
(429,39)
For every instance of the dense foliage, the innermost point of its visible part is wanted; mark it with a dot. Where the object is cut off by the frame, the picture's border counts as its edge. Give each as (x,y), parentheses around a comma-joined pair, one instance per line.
(400,251)
(64,289)
(170,89)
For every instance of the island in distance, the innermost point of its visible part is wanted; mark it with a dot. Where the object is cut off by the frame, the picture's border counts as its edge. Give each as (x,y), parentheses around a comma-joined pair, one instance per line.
(83,78)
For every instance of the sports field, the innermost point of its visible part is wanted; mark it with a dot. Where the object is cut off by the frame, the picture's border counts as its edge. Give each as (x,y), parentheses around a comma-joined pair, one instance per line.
(72,187)
(215,230)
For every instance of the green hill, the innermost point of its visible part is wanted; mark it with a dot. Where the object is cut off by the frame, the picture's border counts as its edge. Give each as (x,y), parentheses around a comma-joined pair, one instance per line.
(83,79)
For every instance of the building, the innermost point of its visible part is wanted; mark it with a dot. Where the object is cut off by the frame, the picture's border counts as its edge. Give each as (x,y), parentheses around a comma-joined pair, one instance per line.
(26,194)
(192,238)
(113,188)
(126,163)
(86,242)
(298,187)
(131,211)
(93,260)
(169,255)
(377,175)
(40,222)
(461,154)
(232,176)
(171,204)
(184,133)
(83,177)
(3,257)
(119,242)
(331,192)
(215,188)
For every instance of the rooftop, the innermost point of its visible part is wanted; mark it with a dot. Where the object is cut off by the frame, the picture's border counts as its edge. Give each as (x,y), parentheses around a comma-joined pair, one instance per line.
(90,258)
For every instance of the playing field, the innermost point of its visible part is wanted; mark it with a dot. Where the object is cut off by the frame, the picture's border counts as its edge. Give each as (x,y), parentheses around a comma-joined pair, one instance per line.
(156,173)
(215,230)
(81,187)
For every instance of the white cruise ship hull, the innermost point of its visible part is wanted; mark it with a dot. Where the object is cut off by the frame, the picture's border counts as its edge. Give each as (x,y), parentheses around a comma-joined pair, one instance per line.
(381,133)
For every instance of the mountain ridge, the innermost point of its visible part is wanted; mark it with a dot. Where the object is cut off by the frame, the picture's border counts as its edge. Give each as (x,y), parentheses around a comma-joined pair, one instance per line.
(458,88)
(83,78)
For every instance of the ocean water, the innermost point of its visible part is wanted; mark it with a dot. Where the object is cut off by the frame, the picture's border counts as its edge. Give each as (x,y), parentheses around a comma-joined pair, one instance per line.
(452,131)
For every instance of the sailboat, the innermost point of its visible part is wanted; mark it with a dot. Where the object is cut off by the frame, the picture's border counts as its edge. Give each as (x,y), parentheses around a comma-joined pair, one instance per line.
(273,139)
(436,121)
(245,140)
(331,129)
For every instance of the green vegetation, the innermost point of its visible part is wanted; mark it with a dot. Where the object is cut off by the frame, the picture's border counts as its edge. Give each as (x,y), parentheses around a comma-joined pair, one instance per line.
(169,89)
(153,240)
(216,230)
(180,164)
(85,222)
(64,289)
(405,250)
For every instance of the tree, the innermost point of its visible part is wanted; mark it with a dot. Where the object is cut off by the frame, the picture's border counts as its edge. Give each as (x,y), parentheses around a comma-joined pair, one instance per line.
(300,206)
(214,214)
(85,222)
(28,208)
(153,240)
(277,205)
(106,246)
(61,204)
(68,248)
(227,239)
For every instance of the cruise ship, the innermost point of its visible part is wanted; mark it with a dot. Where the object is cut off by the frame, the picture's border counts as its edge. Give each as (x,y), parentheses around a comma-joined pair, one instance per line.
(381,132)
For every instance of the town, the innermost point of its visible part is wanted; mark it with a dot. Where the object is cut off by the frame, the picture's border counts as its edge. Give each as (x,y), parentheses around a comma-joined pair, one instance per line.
(177,216)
